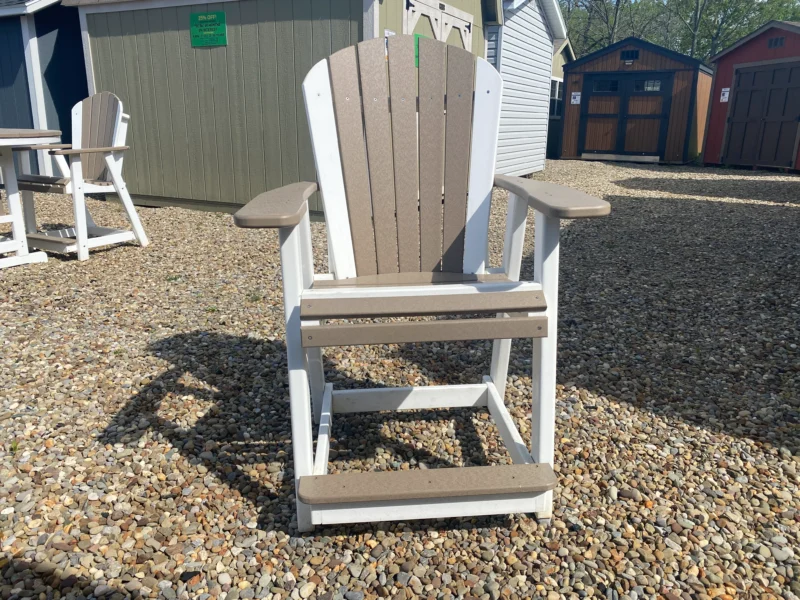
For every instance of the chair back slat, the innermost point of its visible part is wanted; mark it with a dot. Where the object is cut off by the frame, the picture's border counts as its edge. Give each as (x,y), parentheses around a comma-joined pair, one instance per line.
(100,114)
(350,129)
(460,75)
(432,85)
(403,86)
(416,146)
(378,128)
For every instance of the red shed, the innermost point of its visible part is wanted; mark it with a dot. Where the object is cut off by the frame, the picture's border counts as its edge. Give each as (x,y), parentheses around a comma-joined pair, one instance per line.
(754,119)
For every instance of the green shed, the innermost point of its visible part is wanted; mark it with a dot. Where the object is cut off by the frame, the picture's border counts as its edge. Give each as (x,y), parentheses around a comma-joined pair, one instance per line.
(213,90)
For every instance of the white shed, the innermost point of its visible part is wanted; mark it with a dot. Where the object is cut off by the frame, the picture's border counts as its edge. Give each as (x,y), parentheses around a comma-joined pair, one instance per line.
(522,50)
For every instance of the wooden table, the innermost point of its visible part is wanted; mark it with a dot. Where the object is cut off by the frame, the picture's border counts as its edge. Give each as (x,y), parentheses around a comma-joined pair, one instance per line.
(17,244)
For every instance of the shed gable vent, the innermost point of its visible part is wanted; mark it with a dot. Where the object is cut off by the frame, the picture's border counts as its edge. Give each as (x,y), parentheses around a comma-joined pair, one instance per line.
(776,42)
(629,55)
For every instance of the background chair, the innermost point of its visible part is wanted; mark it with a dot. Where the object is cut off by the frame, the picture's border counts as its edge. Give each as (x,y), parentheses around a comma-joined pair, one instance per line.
(99,129)
(405,158)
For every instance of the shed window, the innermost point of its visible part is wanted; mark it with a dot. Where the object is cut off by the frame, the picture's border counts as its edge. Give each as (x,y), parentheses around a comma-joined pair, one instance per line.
(776,42)
(647,85)
(556,98)
(605,85)
(629,55)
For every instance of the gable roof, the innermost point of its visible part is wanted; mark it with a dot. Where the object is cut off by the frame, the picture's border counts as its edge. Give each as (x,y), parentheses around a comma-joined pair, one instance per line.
(9,8)
(560,44)
(634,41)
(792,26)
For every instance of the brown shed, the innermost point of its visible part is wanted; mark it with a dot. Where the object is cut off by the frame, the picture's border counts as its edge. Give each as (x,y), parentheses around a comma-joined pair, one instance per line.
(635,101)
(755,106)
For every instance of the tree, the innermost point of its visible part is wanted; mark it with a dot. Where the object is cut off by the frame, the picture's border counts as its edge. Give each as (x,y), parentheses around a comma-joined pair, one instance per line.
(699,28)
(691,14)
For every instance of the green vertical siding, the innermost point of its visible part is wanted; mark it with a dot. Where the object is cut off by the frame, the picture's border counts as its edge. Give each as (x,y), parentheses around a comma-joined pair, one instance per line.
(218,124)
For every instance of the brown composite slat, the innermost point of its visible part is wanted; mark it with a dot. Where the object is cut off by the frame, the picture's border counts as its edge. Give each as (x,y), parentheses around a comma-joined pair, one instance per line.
(27,133)
(420,484)
(99,114)
(378,127)
(432,78)
(403,89)
(410,278)
(455,304)
(402,332)
(87,133)
(350,128)
(460,75)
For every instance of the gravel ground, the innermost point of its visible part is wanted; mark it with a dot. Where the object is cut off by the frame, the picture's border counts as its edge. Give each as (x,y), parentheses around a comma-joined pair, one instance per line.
(145,447)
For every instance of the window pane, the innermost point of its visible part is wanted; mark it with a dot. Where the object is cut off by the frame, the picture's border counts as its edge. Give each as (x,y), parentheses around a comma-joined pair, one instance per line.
(649,85)
(553,89)
(606,85)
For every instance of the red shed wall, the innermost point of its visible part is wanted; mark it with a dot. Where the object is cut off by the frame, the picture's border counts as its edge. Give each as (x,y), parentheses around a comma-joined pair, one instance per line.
(753,51)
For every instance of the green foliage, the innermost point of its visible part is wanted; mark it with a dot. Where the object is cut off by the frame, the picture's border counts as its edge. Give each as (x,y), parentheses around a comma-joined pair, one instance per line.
(699,28)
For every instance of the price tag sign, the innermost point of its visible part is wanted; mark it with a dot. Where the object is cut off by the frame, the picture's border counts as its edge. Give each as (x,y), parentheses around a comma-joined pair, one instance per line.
(726,92)
(208,29)
(575,98)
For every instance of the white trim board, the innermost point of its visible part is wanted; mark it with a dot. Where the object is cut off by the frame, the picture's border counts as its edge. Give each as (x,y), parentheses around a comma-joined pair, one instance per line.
(33,69)
(371,19)
(28,8)
(87,51)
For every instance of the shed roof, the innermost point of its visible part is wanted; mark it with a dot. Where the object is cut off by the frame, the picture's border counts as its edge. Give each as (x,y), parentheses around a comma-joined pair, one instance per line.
(9,8)
(560,44)
(792,26)
(634,41)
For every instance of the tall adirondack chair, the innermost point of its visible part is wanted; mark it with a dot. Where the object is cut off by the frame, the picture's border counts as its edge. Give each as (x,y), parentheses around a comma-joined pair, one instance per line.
(405,159)
(99,129)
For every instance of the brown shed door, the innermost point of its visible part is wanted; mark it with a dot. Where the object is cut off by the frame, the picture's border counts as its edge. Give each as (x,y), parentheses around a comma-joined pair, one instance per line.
(625,113)
(764,117)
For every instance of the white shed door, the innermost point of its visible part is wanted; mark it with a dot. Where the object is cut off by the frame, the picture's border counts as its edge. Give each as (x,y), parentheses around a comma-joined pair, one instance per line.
(524,58)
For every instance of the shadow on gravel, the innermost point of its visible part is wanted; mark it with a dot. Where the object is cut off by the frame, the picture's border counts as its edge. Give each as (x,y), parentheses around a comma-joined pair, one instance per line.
(246,426)
(766,190)
(33,579)
(690,309)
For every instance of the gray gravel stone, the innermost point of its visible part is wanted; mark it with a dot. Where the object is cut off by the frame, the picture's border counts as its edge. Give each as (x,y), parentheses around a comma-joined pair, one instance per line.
(146,424)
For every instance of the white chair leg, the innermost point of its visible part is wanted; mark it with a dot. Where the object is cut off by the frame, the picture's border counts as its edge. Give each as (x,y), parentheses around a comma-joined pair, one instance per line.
(316,372)
(543,413)
(113,167)
(316,375)
(501,350)
(300,400)
(512,260)
(79,207)
(89,220)
(29,211)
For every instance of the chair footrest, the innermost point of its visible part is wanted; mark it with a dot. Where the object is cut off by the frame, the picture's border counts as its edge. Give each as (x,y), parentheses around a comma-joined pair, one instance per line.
(401,332)
(457,482)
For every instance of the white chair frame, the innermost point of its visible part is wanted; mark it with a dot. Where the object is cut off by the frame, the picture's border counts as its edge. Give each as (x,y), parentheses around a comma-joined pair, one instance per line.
(312,399)
(86,234)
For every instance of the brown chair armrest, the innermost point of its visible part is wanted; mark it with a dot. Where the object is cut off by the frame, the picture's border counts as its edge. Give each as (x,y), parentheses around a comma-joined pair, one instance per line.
(41,147)
(554,200)
(89,150)
(283,207)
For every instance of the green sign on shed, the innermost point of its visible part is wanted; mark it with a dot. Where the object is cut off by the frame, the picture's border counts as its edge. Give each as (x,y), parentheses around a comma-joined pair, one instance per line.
(208,29)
